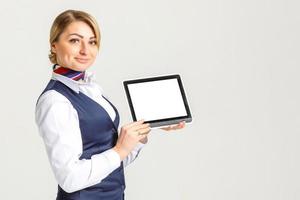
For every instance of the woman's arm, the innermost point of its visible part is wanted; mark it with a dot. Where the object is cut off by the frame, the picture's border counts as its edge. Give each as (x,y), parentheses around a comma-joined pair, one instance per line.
(133,154)
(58,125)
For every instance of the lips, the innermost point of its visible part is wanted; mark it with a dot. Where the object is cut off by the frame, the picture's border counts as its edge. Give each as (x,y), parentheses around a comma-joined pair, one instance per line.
(82,60)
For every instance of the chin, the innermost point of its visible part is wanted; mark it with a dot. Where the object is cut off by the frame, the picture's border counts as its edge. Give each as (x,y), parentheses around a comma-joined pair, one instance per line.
(81,67)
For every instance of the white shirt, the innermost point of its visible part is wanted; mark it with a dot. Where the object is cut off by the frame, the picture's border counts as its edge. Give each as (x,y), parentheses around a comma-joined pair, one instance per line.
(58,125)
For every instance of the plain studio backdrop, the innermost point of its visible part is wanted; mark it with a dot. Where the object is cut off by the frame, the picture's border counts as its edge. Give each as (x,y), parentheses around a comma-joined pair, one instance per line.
(239,63)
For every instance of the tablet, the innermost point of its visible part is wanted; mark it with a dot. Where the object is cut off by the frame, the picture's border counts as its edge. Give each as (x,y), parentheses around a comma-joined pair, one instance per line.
(160,101)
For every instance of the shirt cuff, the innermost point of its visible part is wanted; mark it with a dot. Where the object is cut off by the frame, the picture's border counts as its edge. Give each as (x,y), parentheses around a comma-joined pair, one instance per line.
(104,163)
(139,146)
(112,157)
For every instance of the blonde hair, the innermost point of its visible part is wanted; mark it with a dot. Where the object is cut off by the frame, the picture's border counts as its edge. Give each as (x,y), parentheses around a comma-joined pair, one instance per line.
(66,18)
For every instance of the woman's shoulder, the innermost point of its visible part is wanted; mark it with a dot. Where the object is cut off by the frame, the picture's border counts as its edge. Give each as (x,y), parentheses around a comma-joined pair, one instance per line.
(51,97)
(50,103)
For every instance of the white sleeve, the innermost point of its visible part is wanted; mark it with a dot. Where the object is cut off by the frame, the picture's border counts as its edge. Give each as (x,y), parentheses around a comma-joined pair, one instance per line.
(58,125)
(133,154)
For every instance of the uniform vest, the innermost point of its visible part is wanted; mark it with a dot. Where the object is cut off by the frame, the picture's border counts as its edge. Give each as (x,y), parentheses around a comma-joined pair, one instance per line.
(99,133)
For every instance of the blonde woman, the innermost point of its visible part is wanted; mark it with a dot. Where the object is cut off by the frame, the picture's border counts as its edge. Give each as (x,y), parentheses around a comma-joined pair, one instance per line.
(79,126)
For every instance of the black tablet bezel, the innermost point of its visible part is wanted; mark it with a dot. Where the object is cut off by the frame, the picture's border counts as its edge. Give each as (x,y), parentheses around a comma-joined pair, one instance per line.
(165,121)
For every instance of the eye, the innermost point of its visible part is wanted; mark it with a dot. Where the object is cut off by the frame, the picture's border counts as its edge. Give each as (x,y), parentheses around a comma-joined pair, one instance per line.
(74,40)
(93,42)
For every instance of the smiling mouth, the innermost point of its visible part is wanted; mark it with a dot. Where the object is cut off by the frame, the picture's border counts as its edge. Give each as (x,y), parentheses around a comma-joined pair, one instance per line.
(82,60)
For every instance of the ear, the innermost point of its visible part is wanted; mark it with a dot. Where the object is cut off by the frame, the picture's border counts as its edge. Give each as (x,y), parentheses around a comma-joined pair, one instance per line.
(53,47)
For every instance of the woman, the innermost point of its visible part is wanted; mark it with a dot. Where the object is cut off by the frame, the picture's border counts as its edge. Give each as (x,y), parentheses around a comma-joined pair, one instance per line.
(78,124)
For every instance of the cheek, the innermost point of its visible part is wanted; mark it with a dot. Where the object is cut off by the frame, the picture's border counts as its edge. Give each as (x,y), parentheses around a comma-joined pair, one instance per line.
(65,55)
(94,52)
(67,51)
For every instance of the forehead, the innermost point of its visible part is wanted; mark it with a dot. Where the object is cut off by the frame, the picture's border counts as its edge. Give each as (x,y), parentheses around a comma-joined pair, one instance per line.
(80,28)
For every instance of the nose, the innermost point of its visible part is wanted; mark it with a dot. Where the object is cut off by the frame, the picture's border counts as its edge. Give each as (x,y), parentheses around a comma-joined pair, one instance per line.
(83,49)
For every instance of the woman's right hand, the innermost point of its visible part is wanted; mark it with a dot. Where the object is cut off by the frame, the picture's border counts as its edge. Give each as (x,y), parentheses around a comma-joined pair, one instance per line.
(129,137)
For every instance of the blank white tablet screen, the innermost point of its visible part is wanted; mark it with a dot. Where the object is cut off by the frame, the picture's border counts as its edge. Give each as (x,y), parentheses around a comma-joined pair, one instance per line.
(157,99)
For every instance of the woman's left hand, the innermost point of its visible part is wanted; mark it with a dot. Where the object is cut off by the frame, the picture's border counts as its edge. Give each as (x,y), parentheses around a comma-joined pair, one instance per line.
(180,125)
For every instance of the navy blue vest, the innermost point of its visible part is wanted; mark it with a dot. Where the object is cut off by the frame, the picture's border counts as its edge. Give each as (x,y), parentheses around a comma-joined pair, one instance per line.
(99,133)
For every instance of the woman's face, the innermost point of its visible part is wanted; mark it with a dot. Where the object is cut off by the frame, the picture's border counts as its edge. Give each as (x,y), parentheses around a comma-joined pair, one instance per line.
(76,47)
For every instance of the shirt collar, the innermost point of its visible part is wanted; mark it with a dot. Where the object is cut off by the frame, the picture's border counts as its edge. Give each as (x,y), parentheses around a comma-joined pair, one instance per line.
(89,78)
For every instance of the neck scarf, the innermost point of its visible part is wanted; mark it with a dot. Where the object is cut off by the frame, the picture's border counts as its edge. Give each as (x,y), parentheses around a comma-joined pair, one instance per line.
(72,74)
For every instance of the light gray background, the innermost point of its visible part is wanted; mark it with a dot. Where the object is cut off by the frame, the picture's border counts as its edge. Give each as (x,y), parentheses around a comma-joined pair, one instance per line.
(239,61)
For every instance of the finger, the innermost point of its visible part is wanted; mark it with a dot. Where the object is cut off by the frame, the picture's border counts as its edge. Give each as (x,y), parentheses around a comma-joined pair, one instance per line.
(179,126)
(139,126)
(140,137)
(134,123)
(144,131)
(175,127)
(143,135)
(182,125)
(166,128)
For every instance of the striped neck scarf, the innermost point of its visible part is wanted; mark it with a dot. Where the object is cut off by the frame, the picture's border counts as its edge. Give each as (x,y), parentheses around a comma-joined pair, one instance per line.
(72,74)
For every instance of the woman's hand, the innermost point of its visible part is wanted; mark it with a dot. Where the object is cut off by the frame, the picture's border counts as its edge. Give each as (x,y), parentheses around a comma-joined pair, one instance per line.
(180,125)
(129,137)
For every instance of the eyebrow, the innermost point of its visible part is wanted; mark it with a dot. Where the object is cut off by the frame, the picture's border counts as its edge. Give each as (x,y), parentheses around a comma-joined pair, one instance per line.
(80,35)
